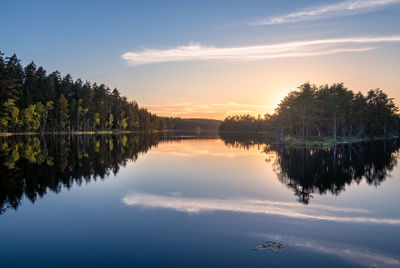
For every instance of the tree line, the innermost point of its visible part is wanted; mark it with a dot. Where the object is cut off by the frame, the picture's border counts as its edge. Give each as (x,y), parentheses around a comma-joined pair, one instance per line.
(192,124)
(32,100)
(321,111)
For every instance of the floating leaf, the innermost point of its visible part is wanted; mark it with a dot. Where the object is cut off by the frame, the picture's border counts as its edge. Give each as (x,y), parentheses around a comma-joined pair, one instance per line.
(278,248)
(269,243)
(259,247)
(275,247)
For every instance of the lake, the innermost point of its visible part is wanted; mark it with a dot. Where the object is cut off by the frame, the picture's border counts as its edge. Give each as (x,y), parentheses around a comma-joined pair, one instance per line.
(188,200)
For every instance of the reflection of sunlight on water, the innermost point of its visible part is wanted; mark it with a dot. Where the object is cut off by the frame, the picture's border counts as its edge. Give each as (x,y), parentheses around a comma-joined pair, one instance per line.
(242,205)
(212,147)
(361,256)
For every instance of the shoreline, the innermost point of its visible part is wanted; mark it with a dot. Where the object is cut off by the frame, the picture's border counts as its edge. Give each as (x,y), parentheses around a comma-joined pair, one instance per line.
(99,132)
(291,142)
(310,142)
(330,142)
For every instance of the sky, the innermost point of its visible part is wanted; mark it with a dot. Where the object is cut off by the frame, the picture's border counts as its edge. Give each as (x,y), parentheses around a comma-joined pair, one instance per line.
(210,59)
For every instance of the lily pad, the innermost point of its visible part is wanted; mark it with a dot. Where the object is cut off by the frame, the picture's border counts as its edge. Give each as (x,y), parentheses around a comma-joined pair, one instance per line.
(269,243)
(275,247)
(259,247)
(278,248)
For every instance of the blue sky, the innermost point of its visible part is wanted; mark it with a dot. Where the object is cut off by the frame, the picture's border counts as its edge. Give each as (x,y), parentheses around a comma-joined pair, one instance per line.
(89,38)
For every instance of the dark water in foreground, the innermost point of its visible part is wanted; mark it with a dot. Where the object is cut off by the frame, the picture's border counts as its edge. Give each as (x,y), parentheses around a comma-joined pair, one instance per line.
(189,201)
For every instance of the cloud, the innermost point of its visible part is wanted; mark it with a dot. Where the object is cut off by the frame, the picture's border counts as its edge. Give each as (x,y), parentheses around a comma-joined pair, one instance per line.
(197,52)
(353,254)
(267,207)
(327,11)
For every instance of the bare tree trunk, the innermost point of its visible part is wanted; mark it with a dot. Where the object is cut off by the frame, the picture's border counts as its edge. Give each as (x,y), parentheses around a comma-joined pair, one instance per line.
(319,131)
(384,128)
(302,131)
(334,128)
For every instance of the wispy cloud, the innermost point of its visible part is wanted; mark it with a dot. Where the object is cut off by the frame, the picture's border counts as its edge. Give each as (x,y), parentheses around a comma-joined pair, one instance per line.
(327,11)
(197,52)
(284,209)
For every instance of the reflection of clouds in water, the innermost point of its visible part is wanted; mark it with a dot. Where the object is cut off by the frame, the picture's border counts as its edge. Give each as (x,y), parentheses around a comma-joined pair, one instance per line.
(349,253)
(176,194)
(314,206)
(285,209)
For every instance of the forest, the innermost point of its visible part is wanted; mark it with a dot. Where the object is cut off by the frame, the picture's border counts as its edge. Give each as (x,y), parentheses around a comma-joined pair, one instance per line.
(192,124)
(324,111)
(33,101)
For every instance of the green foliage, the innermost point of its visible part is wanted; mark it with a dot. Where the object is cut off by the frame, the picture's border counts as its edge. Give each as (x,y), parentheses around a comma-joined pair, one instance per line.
(31,100)
(96,120)
(124,123)
(31,118)
(110,121)
(10,115)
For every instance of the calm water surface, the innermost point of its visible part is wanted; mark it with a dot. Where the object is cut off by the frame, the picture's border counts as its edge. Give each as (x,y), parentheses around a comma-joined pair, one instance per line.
(191,201)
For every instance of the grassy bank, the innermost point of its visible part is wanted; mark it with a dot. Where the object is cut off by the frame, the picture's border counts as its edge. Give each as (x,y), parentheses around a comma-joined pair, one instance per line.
(328,141)
(291,141)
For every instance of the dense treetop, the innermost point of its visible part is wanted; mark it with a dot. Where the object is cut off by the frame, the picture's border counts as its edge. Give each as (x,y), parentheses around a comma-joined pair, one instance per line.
(32,100)
(324,111)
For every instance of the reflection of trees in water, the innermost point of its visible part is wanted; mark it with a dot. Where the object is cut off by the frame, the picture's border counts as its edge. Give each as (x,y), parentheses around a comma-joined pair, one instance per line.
(327,170)
(31,166)
(243,141)
(309,171)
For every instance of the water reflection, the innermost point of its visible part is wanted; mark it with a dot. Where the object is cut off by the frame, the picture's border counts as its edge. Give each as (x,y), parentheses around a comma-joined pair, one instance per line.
(32,165)
(326,170)
(358,255)
(255,206)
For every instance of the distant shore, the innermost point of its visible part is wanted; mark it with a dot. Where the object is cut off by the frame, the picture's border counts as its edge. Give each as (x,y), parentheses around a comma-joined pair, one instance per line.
(96,132)
(107,132)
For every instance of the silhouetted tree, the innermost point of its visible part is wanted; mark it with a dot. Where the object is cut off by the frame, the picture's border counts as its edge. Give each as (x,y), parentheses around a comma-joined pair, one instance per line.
(324,111)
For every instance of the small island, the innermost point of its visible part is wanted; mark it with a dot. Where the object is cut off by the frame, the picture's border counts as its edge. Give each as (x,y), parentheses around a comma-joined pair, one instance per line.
(323,116)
